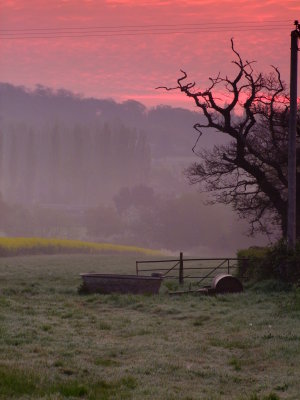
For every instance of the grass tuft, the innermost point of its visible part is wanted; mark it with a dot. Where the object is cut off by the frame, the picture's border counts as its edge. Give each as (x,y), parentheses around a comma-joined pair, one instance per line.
(236,364)
(15,382)
(106,362)
(72,389)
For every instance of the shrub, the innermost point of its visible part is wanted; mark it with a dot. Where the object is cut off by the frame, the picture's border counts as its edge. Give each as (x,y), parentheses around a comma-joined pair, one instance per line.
(273,262)
(250,264)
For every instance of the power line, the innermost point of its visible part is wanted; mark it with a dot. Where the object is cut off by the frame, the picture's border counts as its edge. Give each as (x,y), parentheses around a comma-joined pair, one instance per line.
(134,31)
(152,25)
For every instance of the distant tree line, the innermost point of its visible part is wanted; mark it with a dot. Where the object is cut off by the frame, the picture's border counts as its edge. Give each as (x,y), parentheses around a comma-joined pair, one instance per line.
(75,165)
(167,128)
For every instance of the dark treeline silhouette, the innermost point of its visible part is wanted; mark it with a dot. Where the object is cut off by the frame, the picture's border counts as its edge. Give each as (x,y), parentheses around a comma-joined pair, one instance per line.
(169,130)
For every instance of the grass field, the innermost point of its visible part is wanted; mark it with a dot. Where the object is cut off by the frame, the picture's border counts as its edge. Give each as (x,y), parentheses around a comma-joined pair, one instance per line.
(56,344)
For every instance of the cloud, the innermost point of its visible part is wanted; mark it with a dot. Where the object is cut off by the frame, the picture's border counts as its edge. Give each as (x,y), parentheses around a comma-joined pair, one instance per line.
(135,65)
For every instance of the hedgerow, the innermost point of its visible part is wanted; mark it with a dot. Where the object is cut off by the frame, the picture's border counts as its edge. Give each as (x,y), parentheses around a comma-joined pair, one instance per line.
(273,262)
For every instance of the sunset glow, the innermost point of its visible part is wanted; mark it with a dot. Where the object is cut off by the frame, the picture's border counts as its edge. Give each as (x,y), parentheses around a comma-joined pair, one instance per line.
(134,46)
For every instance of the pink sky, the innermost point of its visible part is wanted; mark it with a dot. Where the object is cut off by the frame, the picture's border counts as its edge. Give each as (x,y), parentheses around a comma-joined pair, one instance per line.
(130,67)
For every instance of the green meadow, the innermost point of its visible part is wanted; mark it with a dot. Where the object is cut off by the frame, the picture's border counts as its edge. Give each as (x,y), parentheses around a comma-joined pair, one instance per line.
(56,344)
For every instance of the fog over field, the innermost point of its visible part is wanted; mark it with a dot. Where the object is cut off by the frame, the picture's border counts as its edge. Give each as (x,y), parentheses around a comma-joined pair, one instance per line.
(95,169)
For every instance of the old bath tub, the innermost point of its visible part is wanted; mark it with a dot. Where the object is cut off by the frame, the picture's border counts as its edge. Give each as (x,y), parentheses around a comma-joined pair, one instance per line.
(115,283)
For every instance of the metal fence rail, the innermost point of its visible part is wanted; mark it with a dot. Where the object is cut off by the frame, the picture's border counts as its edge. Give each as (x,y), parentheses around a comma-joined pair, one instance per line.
(181,268)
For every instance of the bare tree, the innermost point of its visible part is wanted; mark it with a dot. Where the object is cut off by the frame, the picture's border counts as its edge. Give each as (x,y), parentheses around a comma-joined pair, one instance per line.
(250,171)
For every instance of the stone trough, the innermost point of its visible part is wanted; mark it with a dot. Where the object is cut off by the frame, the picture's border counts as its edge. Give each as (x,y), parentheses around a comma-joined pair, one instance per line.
(115,283)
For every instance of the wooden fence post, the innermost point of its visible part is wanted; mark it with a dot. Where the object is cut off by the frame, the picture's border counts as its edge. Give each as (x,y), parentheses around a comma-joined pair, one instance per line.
(181,269)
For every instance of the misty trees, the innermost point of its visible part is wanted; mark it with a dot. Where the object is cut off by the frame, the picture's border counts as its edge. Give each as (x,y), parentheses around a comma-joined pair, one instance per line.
(140,196)
(70,163)
(249,172)
(103,222)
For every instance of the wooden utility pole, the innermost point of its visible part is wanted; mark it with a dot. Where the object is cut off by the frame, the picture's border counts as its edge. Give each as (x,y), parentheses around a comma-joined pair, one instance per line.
(291,230)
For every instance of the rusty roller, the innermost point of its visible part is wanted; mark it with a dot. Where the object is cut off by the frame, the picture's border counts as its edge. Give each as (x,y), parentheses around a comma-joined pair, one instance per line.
(225,283)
